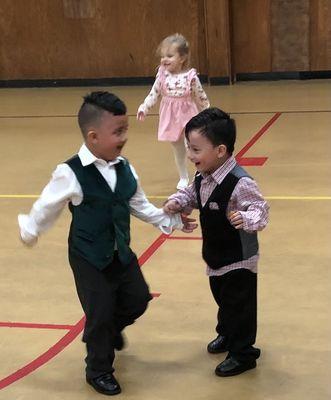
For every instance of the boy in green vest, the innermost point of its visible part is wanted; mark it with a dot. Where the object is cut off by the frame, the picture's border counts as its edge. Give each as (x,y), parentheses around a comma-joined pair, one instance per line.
(102,190)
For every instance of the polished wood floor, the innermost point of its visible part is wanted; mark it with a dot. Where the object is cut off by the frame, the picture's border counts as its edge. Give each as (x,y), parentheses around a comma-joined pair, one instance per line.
(284,134)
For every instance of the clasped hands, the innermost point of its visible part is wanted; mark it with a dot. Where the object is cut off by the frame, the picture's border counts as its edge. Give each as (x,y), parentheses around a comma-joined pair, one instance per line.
(173,207)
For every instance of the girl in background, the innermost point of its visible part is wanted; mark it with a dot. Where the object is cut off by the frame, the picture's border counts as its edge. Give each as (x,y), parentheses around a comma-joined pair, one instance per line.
(182,97)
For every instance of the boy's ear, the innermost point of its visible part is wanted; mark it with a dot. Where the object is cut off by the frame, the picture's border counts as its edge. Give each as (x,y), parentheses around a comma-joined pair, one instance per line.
(91,135)
(222,150)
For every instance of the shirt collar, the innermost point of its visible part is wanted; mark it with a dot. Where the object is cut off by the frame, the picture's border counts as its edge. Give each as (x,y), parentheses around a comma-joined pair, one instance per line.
(87,158)
(222,171)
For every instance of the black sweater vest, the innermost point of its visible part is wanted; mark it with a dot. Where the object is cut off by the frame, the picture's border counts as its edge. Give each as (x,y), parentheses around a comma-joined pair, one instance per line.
(222,243)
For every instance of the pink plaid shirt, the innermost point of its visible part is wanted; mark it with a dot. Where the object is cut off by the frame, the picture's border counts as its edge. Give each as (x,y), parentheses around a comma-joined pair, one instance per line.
(245,198)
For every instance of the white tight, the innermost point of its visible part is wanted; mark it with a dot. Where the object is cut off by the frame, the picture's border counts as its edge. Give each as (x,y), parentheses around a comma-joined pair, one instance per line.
(179,149)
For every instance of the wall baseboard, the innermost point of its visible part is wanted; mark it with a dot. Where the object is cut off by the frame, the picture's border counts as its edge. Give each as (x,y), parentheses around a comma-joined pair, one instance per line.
(274,76)
(140,81)
(25,83)
(219,80)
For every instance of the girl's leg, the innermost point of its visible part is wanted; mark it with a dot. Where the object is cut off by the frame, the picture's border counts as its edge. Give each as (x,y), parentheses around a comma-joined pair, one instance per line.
(179,149)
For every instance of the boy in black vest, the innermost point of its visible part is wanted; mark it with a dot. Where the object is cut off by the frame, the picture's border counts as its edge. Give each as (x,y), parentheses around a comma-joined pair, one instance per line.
(232,210)
(102,190)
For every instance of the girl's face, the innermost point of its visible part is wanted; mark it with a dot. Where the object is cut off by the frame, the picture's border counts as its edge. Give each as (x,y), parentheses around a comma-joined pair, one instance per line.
(171,60)
(206,157)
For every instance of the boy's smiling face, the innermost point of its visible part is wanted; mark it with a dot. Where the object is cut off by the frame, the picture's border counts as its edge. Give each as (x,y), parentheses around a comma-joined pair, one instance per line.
(206,157)
(108,136)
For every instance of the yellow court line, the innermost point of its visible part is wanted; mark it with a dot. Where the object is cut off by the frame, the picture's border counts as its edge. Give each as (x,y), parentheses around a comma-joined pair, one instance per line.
(34,196)
(271,197)
(298,197)
(19,196)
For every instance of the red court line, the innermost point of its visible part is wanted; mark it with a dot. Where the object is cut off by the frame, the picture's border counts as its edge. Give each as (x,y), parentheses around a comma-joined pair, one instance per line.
(43,358)
(152,249)
(34,325)
(256,161)
(74,331)
(252,161)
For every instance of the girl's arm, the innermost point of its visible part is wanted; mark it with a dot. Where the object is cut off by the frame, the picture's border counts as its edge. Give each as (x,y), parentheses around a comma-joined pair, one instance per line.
(150,100)
(199,94)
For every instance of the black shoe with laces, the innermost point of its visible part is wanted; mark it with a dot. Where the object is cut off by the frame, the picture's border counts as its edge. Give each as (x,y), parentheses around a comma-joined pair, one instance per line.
(230,367)
(105,384)
(217,345)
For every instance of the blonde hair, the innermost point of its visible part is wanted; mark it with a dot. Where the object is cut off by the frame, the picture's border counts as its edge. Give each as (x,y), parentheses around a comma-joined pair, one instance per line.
(182,46)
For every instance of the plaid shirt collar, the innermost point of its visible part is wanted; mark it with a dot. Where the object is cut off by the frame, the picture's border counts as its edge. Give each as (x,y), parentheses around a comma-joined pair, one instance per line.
(221,172)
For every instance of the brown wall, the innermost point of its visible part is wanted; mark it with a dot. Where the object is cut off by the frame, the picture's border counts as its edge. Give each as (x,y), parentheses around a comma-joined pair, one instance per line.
(281,35)
(92,38)
(54,39)
(217,19)
(290,35)
(251,37)
(320,39)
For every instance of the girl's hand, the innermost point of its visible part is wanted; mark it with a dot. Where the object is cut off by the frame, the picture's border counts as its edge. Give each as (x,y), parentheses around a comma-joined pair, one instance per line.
(236,219)
(140,116)
(188,223)
(172,207)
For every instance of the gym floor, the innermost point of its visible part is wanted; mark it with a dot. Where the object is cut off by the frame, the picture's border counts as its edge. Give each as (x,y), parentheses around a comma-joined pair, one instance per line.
(284,141)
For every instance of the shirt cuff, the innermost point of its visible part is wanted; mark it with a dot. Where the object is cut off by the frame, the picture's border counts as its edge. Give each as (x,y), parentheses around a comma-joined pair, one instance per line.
(28,229)
(172,222)
(185,208)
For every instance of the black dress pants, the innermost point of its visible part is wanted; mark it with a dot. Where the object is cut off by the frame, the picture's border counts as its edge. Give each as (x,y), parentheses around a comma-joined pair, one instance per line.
(111,299)
(235,294)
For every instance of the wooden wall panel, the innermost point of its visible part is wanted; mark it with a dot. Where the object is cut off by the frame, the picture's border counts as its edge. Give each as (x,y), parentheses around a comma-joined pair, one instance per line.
(54,39)
(217,38)
(251,38)
(100,38)
(290,35)
(320,35)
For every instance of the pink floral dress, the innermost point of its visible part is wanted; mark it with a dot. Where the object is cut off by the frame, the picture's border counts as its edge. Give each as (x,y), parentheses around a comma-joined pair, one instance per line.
(182,98)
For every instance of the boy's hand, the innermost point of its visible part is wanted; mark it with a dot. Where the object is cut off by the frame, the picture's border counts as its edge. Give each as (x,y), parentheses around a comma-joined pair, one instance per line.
(29,243)
(172,207)
(236,219)
(188,223)
(140,116)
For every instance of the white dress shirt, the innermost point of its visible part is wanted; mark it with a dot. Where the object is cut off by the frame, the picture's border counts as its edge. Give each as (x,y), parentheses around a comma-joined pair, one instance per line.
(64,188)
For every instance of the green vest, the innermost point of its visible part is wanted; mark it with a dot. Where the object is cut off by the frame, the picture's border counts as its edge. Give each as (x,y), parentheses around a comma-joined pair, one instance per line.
(103,217)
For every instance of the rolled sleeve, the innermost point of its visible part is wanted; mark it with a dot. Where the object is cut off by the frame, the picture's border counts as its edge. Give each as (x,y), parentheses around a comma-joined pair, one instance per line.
(248,200)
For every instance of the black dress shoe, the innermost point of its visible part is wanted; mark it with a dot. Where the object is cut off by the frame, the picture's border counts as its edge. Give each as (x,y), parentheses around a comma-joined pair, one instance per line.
(217,345)
(230,366)
(105,384)
(119,342)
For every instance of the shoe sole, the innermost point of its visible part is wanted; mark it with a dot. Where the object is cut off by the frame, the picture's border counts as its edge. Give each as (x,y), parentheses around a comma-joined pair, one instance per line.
(225,374)
(217,351)
(112,393)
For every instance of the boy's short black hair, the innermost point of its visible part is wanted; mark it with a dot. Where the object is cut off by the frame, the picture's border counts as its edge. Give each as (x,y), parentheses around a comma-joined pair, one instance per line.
(216,125)
(94,105)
